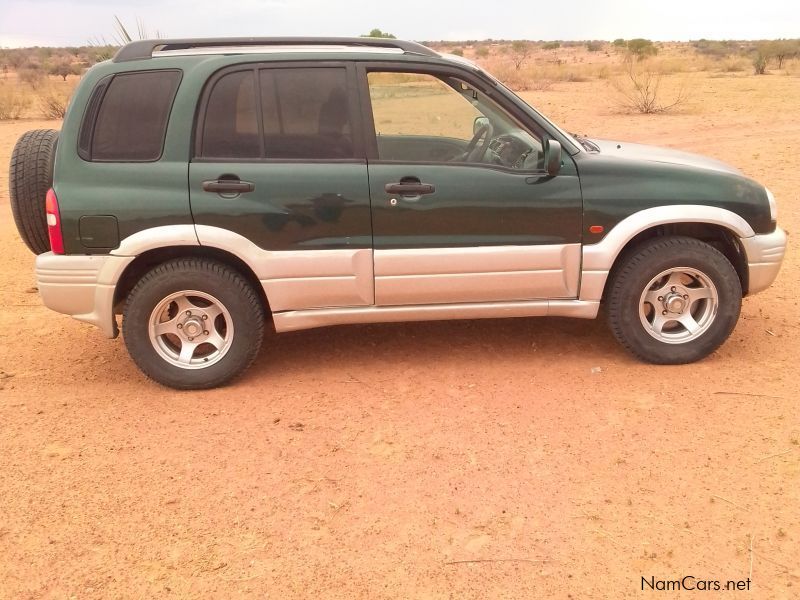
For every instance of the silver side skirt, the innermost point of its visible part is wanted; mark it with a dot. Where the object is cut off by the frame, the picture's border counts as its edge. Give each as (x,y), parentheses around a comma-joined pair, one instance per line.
(294,320)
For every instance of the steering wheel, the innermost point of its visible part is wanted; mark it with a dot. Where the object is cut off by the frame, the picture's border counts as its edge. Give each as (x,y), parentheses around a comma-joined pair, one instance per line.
(475,152)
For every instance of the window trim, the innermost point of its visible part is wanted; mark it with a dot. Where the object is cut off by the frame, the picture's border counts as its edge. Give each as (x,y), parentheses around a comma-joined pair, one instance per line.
(92,112)
(370,136)
(353,103)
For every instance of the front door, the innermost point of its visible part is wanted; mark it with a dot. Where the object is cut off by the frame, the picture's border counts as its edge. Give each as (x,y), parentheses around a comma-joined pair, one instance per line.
(462,209)
(279,170)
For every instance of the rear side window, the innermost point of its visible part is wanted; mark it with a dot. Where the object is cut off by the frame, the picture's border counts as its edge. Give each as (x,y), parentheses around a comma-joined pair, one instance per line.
(132,119)
(294,113)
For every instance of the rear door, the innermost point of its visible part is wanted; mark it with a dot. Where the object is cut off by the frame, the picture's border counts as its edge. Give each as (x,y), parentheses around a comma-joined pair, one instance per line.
(279,161)
(462,208)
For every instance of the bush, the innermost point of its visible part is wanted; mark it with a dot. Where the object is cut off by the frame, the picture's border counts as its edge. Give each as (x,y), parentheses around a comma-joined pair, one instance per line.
(640,91)
(594,46)
(34,77)
(551,45)
(619,43)
(457,52)
(482,52)
(760,63)
(53,103)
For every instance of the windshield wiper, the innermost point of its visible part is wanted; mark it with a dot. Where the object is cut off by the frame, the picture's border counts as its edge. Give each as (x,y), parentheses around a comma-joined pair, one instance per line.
(586,143)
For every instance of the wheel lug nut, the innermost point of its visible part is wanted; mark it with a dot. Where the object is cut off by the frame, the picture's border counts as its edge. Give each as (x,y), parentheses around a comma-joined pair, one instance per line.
(663,312)
(189,313)
(205,333)
(673,288)
(191,339)
(661,298)
(180,326)
(686,296)
(205,317)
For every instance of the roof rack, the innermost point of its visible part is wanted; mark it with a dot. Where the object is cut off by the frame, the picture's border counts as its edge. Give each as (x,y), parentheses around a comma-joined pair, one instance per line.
(143,49)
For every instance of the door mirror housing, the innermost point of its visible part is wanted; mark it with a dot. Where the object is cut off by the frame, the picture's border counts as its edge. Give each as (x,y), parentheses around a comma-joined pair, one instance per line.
(552,157)
(479,123)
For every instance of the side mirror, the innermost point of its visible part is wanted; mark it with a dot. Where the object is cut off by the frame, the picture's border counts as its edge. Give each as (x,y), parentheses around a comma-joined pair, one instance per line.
(479,123)
(552,157)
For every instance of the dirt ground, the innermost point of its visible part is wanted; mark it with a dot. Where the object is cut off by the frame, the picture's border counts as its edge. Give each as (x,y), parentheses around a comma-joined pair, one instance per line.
(492,459)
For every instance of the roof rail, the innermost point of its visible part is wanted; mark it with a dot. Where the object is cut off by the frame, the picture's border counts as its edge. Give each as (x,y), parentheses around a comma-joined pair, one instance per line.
(143,49)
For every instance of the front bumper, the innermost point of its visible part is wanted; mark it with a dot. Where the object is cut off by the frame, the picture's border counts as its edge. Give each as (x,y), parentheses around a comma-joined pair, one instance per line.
(765,254)
(81,286)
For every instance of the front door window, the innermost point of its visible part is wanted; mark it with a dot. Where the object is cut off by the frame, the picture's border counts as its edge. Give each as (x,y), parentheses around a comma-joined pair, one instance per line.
(422,117)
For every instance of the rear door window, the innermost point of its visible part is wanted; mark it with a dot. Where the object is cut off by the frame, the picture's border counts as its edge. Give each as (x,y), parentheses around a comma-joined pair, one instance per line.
(293,113)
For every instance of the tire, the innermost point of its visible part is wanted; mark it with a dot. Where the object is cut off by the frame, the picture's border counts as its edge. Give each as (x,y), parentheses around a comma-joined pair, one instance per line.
(30,175)
(673,300)
(166,324)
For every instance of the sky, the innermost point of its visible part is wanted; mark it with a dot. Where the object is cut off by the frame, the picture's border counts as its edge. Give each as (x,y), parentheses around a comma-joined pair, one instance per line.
(77,22)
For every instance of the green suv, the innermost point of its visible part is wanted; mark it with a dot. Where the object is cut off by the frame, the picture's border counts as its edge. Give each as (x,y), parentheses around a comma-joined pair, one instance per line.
(201,188)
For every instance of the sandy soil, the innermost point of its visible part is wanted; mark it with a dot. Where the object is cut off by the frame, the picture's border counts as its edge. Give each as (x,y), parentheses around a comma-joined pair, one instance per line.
(514,459)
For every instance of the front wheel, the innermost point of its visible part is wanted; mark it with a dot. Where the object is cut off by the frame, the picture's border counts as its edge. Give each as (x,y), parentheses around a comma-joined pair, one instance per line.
(193,324)
(673,300)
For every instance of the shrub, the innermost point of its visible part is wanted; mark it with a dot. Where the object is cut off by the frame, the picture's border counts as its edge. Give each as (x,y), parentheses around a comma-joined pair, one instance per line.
(551,45)
(457,52)
(640,91)
(594,46)
(53,103)
(482,52)
(760,63)
(619,43)
(34,77)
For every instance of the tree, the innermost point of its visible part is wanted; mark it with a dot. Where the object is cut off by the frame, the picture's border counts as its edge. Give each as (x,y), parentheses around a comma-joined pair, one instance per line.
(641,48)
(377,33)
(520,50)
(63,69)
(781,50)
(551,45)
(594,46)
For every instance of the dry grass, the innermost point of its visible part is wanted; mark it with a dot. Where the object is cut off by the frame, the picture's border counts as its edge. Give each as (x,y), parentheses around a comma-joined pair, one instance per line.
(47,97)
(13,104)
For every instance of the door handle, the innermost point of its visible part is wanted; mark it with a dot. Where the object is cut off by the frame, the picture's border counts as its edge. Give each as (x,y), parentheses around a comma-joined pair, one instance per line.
(410,188)
(228,186)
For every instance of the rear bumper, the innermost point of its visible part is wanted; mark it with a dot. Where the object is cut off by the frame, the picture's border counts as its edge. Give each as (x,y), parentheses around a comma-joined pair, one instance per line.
(764,257)
(81,286)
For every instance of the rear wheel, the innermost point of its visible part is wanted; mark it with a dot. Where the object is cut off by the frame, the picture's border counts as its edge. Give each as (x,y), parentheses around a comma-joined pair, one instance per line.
(673,300)
(193,324)
(30,175)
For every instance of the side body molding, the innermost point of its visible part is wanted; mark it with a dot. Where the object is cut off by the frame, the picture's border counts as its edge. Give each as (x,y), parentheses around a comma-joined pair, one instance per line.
(292,279)
(599,258)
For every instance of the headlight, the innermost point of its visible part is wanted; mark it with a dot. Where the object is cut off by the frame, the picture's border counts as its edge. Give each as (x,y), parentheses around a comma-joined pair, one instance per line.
(773,207)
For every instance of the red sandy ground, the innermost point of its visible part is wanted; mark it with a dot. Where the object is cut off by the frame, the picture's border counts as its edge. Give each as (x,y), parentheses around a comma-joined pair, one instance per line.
(368,461)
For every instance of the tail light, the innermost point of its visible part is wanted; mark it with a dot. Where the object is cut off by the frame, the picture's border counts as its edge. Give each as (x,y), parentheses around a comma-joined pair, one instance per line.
(54,223)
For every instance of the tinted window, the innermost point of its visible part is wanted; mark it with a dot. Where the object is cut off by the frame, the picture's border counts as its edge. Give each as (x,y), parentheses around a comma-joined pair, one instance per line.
(231,124)
(132,119)
(306,113)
